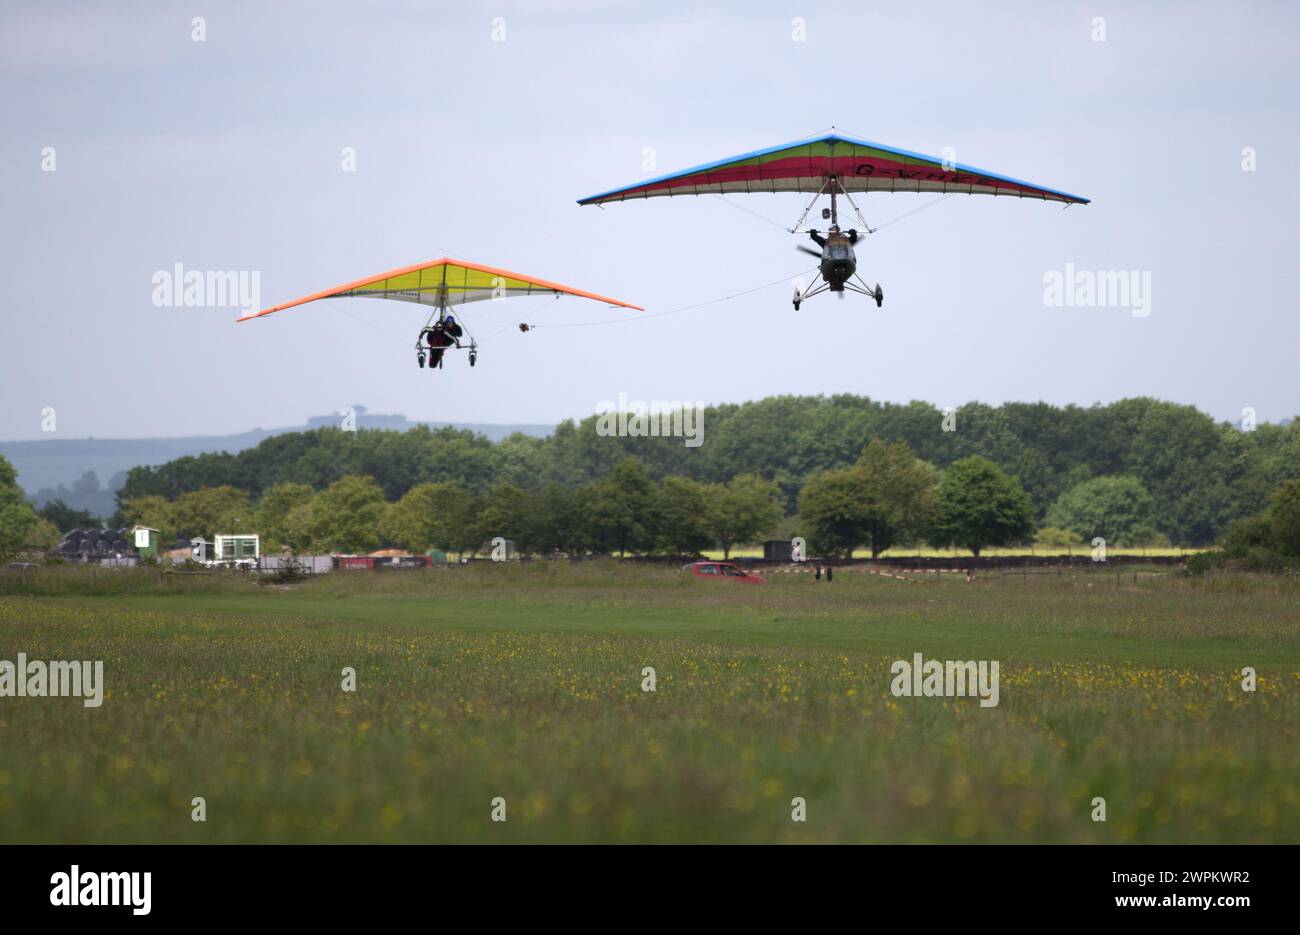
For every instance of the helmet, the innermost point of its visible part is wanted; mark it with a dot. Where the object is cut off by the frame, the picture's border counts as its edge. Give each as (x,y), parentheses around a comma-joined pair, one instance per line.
(451,319)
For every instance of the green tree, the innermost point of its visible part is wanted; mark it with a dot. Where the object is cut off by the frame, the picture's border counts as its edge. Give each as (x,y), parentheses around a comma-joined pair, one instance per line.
(45,535)
(887,496)
(1253,532)
(412,522)
(1284,518)
(435,516)
(18,520)
(552,522)
(980,506)
(502,513)
(283,516)
(1118,509)
(836,507)
(211,510)
(65,518)
(742,509)
(683,515)
(621,510)
(519,459)
(462,527)
(901,492)
(346,516)
(298,528)
(1179,456)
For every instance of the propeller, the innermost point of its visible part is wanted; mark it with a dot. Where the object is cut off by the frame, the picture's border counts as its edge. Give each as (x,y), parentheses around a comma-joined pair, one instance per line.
(808,250)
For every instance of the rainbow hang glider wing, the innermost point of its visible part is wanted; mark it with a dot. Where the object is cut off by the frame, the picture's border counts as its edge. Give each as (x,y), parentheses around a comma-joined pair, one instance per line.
(444,283)
(857,165)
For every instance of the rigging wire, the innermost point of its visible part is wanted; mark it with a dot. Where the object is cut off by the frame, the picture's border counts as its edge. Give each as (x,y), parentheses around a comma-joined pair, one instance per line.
(908,214)
(674,311)
(726,201)
(364,321)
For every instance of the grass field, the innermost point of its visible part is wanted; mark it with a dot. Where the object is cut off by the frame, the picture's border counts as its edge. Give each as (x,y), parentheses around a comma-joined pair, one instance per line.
(525,682)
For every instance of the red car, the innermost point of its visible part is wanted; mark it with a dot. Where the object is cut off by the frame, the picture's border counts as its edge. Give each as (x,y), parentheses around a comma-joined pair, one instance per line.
(721,570)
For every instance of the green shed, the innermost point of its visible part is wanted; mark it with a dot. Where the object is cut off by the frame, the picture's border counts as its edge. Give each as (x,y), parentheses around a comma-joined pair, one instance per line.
(146,541)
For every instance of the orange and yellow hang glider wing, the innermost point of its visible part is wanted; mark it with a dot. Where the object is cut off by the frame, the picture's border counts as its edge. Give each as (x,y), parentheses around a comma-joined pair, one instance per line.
(445,283)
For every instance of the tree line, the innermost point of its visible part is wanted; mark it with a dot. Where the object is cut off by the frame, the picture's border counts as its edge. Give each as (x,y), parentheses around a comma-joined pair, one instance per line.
(1195,476)
(624,513)
(887,497)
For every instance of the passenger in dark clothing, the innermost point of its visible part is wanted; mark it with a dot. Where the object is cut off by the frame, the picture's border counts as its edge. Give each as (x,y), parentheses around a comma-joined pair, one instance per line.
(820,241)
(441,336)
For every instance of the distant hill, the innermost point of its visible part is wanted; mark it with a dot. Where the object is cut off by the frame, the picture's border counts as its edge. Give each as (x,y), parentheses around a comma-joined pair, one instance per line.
(86,472)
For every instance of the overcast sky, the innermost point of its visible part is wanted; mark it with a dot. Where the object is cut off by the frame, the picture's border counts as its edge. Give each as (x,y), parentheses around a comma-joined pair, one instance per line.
(227,154)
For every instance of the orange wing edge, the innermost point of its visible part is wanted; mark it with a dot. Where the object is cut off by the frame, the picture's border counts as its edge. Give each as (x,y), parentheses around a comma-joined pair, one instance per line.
(443,261)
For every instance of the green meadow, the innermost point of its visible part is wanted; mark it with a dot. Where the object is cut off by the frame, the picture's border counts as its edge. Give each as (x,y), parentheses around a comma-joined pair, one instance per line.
(524,683)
